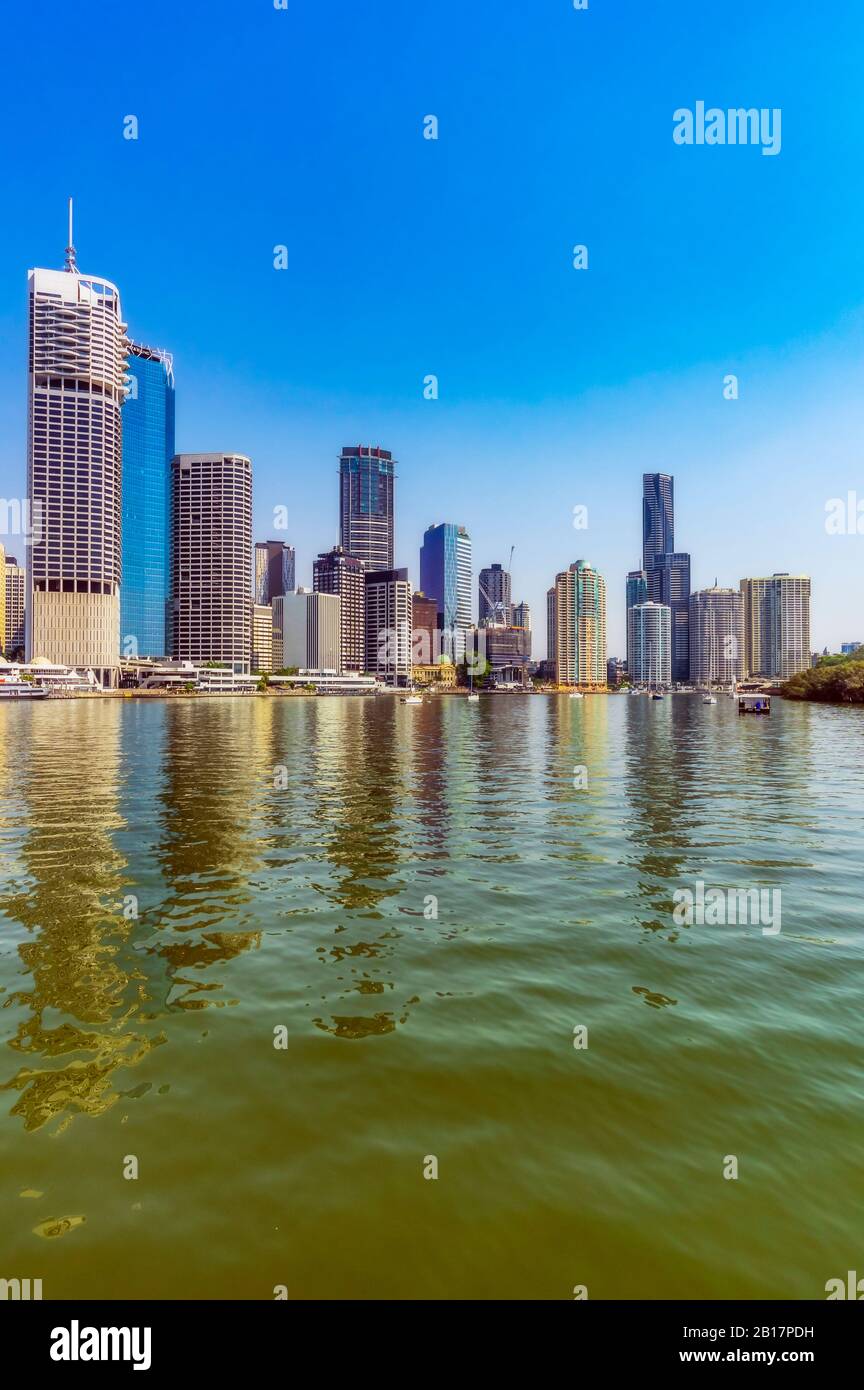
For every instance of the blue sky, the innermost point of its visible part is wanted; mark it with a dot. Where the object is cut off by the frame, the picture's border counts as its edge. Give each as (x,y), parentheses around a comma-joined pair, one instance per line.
(406,257)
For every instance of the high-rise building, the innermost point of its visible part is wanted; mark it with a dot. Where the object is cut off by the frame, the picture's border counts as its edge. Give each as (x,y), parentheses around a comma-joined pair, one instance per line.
(273,570)
(637,588)
(580,626)
(776,625)
(334,572)
(77,365)
(848,648)
(262,637)
(658,516)
(210,617)
(445,575)
(148,448)
(716,636)
(522,616)
(506,648)
(494,596)
(14,589)
(388,626)
(669,583)
(649,643)
(424,624)
(367,480)
(551,619)
(310,626)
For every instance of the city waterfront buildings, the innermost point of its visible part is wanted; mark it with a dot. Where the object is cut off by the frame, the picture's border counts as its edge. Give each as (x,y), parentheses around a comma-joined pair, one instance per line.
(335,572)
(367,481)
(76,388)
(262,637)
(13,582)
(494,604)
(210,616)
(776,625)
(649,644)
(716,636)
(445,575)
(658,516)
(147,419)
(274,570)
(389,626)
(668,581)
(309,626)
(577,624)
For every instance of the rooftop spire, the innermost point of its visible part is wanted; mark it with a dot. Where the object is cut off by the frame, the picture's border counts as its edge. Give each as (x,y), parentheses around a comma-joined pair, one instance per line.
(70,249)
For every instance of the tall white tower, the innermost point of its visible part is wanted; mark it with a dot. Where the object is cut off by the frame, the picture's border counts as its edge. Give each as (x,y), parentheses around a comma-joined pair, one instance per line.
(77,366)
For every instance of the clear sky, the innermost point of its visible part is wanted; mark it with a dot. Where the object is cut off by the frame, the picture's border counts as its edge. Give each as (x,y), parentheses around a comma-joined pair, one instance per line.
(303,127)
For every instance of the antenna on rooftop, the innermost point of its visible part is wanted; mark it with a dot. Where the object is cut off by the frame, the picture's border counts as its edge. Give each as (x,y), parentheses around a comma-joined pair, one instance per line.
(70,249)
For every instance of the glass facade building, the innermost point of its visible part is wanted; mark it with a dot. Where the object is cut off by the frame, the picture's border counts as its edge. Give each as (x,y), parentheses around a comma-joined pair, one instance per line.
(658,516)
(148,447)
(669,583)
(445,575)
(367,480)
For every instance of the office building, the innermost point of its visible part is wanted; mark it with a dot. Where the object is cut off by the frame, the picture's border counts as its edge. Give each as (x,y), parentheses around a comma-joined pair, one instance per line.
(210,617)
(522,616)
(334,572)
(367,481)
(507,649)
(309,627)
(77,366)
(649,644)
(14,597)
(262,638)
(148,448)
(716,636)
(274,566)
(494,596)
(776,625)
(668,578)
(658,516)
(14,589)
(388,626)
(637,588)
(578,626)
(445,575)
(847,648)
(425,640)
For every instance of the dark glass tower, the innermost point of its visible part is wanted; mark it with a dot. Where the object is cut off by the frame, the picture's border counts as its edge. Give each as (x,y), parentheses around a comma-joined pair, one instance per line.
(494,595)
(148,448)
(669,583)
(367,477)
(658,516)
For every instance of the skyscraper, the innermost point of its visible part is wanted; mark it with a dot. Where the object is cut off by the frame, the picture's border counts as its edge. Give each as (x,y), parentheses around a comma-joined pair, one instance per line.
(388,626)
(445,575)
(578,624)
(424,627)
(649,643)
(77,366)
(494,596)
(716,636)
(669,583)
(367,479)
(658,516)
(522,616)
(262,637)
(274,570)
(776,625)
(637,587)
(14,582)
(334,572)
(310,630)
(148,448)
(211,559)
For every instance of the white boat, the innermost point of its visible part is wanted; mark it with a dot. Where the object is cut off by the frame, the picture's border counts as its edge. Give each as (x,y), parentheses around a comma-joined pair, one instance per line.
(576,695)
(473,696)
(709,699)
(412,700)
(21,690)
(655,695)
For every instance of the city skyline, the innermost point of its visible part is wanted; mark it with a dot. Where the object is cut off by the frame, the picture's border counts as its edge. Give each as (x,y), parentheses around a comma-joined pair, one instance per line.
(673,301)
